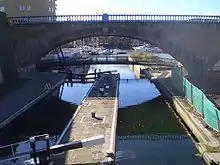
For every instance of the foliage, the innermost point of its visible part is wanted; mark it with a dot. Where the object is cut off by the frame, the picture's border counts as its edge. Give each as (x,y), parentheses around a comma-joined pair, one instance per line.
(142,56)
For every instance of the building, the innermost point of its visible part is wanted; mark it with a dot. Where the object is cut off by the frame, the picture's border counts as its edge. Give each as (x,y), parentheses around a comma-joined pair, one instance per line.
(16,8)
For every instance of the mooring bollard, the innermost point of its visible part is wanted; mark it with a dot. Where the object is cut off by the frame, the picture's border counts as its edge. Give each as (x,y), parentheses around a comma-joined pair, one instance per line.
(93,113)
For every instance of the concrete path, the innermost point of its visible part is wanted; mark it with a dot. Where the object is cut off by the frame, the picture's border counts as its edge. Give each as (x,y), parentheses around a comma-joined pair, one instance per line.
(83,125)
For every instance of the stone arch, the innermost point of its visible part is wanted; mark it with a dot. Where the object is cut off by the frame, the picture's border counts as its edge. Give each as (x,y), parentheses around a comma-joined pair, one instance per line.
(180,40)
(64,37)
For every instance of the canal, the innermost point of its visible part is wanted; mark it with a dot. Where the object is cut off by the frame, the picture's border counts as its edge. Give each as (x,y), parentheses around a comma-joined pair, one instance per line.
(148,131)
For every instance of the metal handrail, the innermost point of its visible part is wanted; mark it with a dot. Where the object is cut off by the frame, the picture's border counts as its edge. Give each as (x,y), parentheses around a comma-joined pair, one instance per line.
(11,147)
(154,60)
(116,18)
(13,154)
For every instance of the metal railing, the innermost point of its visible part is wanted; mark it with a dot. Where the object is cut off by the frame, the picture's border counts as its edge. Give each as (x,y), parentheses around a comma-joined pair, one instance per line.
(40,155)
(201,102)
(9,151)
(115,18)
(115,60)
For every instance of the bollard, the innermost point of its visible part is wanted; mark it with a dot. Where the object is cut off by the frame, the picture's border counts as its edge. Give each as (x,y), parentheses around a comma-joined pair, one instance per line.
(93,113)
(110,154)
(47,139)
(33,147)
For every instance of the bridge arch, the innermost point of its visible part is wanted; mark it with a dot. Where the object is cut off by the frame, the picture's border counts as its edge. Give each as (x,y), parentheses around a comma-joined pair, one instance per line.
(68,36)
(65,41)
(179,39)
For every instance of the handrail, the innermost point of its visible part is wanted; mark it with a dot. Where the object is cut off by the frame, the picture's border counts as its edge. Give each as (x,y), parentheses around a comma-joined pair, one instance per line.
(119,59)
(11,147)
(13,153)
(116,18)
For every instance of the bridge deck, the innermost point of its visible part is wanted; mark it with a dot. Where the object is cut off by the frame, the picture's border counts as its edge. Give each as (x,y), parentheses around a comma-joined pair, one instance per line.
(124,60)
(85,126)
(29,94)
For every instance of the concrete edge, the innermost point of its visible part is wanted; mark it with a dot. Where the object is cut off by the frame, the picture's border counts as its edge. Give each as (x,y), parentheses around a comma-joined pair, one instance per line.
(197,131)
(206,155)
(114,121)
(189,121)
(202,146)
(74,116)
(170,96)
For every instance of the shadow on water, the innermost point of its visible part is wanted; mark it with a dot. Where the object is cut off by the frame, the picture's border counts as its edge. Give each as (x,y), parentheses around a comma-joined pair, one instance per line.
(150,117)
(139,125)
(48,116)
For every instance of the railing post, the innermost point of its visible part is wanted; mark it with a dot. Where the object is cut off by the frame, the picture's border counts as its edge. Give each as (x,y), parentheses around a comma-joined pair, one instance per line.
(191,93)
(203,105)
(217,118)
(33,147)
(119,18)
(12,150)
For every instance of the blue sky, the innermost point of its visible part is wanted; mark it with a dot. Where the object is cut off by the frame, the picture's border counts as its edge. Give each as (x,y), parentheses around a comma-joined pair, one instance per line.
(201,7)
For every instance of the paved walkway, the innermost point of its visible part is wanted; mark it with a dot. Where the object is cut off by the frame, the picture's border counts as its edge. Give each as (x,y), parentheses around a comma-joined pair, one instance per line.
(30,93)
(84,126)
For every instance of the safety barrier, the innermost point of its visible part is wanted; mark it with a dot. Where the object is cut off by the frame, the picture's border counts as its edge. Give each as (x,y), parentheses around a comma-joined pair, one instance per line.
(112,60)
(197,98)
(116,18)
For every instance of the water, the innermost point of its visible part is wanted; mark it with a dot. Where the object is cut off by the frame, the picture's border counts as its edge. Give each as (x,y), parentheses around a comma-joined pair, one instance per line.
(150,119)
(126,90)
(48,116)
(143,112)
(163,55)
(163,152)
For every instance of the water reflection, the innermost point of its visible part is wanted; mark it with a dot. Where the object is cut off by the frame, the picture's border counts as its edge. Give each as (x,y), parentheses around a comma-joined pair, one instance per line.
(163,55)
(125,72)
(151,134)
(159,152)
(75,93)
(132,91)
(151,116)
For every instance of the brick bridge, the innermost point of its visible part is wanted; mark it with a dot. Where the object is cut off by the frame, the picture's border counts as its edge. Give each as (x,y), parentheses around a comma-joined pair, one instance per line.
(192,40)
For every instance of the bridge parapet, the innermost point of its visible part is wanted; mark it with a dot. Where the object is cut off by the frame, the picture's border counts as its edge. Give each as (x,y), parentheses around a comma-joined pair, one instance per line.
(113,60)
(115,18)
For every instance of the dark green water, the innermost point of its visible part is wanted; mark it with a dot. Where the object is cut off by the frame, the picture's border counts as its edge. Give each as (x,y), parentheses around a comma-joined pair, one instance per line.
(151,117)
(140,124)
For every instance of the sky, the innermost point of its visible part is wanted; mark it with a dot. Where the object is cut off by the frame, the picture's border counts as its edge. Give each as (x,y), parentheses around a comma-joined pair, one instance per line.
(188,7)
